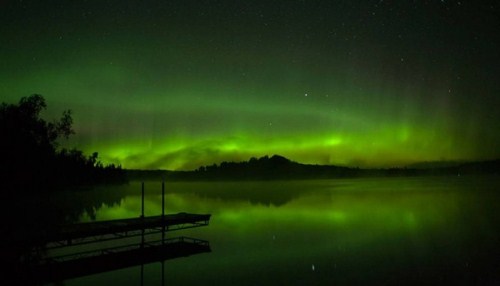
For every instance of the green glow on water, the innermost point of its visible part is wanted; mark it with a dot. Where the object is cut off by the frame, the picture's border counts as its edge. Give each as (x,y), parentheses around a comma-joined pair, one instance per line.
(276,231)
(394,206)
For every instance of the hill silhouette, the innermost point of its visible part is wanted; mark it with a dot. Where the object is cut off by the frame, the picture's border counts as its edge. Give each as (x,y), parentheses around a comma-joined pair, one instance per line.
(278,167)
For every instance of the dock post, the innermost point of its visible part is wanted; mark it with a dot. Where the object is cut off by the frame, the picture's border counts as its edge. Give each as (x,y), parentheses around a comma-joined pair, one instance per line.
(142,200)
(142,215)
(163,199)
(163,211)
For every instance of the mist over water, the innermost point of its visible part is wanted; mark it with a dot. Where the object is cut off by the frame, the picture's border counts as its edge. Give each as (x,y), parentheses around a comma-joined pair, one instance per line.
(373,231)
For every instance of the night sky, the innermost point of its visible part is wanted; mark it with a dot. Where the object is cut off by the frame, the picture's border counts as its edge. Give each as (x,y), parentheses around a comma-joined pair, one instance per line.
(179,84)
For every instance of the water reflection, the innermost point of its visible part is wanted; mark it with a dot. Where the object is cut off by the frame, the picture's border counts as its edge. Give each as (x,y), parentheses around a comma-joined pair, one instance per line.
(366,231)
(77,264)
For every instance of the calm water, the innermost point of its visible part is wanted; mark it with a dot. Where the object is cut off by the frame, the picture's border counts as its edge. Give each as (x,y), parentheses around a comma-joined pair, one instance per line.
(383,231)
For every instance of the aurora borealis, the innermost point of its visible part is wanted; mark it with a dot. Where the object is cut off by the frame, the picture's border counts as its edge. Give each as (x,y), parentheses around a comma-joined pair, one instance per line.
(179,84)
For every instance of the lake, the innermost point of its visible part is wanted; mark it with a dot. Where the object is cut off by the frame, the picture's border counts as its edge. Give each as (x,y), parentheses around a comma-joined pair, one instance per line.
(371,231)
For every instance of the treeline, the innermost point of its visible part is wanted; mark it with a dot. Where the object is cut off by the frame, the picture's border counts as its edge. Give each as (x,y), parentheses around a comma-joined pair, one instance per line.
(281,168)
(74,168)
(30,157)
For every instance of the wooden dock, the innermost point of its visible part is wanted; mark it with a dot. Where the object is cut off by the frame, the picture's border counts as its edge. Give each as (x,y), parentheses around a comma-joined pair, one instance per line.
(44,265)
(80,233)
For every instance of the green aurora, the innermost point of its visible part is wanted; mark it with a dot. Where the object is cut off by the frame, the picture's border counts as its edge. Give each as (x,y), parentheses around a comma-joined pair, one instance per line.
(179,84)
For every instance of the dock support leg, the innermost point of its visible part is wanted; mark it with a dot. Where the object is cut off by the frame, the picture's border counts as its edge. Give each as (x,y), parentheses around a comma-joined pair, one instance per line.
(142,215)
(142,199)
(162,212)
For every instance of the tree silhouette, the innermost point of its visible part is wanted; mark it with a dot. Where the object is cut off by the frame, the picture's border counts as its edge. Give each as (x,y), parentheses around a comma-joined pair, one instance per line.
(29,155)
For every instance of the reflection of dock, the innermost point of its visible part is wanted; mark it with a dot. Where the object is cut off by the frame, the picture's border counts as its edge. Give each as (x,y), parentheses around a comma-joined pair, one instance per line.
(97,261)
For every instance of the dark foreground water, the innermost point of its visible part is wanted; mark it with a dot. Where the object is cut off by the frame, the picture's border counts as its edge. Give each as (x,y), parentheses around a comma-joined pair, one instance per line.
(377,231)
